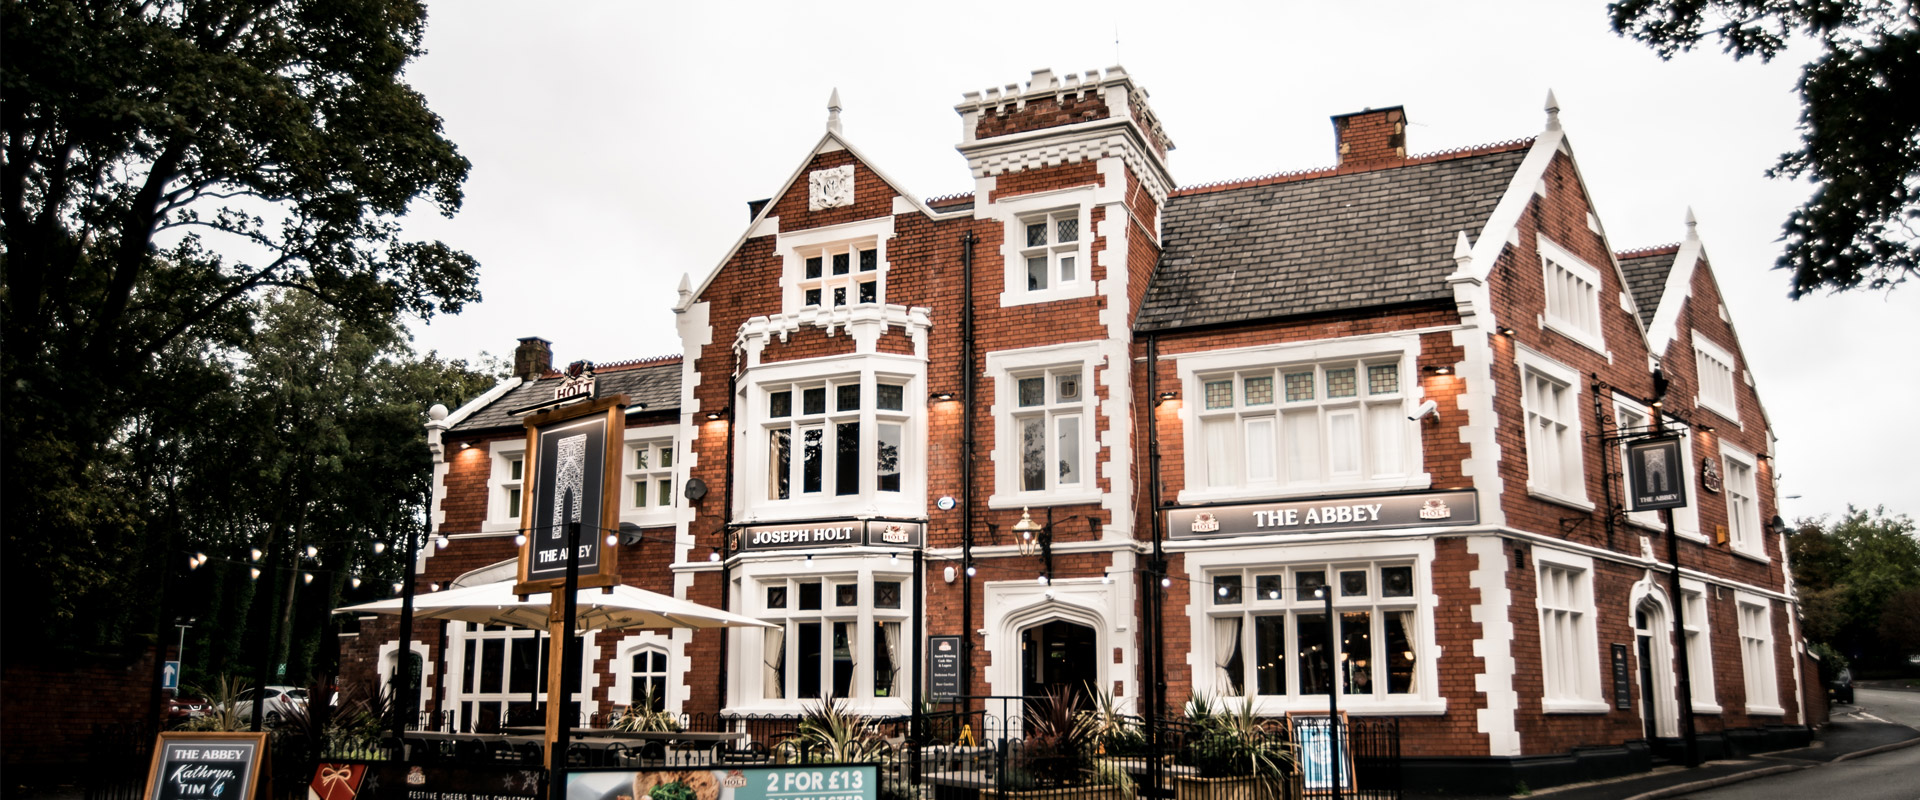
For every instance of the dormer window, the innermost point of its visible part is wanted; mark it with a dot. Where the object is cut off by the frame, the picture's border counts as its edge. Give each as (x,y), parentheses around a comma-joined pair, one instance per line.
(840,275)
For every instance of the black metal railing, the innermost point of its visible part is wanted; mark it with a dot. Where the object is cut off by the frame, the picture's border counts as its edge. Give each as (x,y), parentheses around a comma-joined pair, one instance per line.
(971,750)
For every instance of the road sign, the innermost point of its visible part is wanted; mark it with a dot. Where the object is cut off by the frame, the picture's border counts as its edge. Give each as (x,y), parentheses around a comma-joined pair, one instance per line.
(170,677)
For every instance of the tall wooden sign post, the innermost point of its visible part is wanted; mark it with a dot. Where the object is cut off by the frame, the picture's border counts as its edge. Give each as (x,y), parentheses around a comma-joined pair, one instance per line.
(573,464)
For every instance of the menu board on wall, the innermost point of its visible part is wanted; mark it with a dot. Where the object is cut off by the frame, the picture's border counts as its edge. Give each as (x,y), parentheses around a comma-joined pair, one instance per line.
(206,766)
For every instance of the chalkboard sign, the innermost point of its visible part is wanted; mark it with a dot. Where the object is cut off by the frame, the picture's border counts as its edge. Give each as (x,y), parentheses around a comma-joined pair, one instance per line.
(943,667)
(207,766)
(1622,679)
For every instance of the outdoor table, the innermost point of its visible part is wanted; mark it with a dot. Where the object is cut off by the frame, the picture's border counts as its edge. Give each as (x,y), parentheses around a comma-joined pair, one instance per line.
(443,742)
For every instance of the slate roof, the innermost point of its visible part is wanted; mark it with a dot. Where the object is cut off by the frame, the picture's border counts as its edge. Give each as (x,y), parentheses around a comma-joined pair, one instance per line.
(1321,242)
(1646,270)
(654,382)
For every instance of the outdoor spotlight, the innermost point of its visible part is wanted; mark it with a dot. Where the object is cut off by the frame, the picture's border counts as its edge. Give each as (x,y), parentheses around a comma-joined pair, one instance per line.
(312,551)
(379,547)
(193,563)
(256,573)
(355,580)
(718,414)
(306,577)
(941,397)
(257,554)
(1168,395)
(1505,331)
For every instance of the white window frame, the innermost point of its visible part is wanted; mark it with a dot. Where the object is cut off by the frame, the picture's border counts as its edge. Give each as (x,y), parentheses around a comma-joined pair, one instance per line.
(1686,519)
(1015,213)
(863,571)
(1566,483)
(1007,368)
(653,441)
(1717,374)
(1697,621)
(624,691)
(753,445)
(1204,564)
(458,695)
(1740,489)
(1064,261)
(1756,653)
(1567,633)
(637,680)
(1572,297)
(1197,370)
(841,289)
(796,247)
(502,514)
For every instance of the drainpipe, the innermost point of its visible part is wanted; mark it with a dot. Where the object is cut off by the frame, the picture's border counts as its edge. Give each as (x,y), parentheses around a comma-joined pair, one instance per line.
(726,526)
(1156,569)
(966,463)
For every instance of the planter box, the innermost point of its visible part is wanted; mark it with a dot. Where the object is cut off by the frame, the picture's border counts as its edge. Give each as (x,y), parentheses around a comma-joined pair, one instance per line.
(1186,787)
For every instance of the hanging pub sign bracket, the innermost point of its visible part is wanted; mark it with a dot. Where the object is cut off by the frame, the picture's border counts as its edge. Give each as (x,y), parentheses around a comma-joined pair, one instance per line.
(573,474)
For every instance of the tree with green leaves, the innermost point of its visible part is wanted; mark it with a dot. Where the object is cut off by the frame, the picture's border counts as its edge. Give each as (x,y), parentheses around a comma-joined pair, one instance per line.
(165,164)
(1850,572)
(1859,123)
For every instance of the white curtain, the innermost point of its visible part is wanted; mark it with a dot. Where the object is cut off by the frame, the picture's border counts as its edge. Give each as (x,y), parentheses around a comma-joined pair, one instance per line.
(774,687)
(892,631)
(1226,642)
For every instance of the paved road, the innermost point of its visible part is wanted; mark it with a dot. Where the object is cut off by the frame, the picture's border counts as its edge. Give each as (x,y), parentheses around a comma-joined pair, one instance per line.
(1893,775)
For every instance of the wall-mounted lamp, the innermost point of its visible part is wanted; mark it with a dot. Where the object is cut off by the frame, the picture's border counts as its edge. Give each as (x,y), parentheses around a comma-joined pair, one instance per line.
(1440,369)
(1706,429)
(940,397)
(1169,395)
(1505,331)
(466,445)
(719,413)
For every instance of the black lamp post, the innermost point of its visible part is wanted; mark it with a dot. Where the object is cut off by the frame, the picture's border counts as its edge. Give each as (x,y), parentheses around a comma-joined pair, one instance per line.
(1333,690)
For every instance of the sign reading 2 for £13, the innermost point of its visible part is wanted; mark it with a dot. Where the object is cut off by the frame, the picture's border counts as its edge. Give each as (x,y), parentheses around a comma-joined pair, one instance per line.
(842,782)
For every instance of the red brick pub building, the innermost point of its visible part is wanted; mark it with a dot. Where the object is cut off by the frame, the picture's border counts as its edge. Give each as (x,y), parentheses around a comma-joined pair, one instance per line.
(1401,379)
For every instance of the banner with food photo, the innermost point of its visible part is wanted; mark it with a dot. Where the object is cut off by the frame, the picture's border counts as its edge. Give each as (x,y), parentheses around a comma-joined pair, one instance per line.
(823,782)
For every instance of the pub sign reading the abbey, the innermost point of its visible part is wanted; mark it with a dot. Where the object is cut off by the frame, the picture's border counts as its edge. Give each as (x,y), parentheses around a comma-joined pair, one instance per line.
(1327,515)
(574,473)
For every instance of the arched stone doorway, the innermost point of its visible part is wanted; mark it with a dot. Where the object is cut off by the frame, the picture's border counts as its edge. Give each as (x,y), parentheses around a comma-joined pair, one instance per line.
(1059,655)
(1654,652)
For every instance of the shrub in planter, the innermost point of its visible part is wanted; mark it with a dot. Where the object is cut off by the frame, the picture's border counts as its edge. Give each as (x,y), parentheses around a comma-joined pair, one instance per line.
(1231,741)
(1061,748)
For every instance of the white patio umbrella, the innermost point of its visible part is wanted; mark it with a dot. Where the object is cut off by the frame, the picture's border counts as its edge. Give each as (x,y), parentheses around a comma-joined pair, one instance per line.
(624,607)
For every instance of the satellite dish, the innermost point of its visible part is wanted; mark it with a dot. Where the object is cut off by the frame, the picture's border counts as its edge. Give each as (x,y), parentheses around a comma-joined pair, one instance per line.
(696,489)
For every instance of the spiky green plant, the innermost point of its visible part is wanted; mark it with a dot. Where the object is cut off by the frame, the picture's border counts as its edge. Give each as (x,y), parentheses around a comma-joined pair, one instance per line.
(1233,740)
(830,732)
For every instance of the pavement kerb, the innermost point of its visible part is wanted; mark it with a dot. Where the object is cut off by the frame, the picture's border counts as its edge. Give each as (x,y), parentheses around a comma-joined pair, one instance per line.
(1724,780)
(1874,751)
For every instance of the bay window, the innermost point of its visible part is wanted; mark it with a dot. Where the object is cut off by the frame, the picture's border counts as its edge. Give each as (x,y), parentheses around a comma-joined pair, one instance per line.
(1304,426)
(815,435)
(1271,635)
(838,636)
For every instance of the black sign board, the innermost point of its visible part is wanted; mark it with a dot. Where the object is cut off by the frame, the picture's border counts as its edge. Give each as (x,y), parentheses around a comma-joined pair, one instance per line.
(206,766)
(1622,679)
(1365,513)
(1656,474)
(943,667)
(569,472)
(832,533)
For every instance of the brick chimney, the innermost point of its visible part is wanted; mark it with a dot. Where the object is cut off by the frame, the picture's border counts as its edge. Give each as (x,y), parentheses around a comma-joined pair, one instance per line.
(532,358)
(1374,137)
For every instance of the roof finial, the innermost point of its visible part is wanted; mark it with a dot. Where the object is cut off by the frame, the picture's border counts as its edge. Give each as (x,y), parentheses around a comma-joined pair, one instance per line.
(1553,111)
(833,111)
(1693,225)
(1462,251)
(686,287)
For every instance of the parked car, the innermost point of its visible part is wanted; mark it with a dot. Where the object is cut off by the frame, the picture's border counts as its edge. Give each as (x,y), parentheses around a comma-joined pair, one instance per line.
(181,710)
(1841,687)
(280,702)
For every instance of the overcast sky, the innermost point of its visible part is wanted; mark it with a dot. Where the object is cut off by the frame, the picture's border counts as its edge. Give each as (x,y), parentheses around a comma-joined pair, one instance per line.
(615,147)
